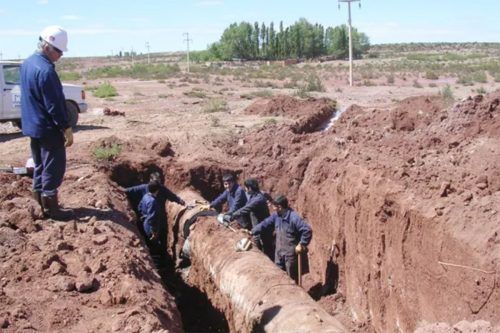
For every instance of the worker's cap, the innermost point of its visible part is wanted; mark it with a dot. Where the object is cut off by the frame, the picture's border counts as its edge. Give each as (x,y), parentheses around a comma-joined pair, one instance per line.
(252,183)
(281,201)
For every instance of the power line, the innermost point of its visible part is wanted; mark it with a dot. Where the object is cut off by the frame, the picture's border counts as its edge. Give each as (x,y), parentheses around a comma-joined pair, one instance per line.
(187,40)
(350,35)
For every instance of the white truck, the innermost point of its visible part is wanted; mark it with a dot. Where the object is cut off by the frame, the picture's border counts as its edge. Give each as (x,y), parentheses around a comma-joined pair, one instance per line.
(10,95)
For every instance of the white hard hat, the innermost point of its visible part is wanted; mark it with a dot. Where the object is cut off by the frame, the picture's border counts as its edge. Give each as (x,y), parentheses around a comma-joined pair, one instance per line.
(55,36)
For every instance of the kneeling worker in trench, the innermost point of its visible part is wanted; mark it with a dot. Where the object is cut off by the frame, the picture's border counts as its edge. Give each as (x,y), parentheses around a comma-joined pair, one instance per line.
(293,235)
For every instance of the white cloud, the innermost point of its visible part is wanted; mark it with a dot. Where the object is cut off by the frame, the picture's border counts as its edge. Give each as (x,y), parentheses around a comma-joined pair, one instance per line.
(42,2)
(71,18)
(210,3)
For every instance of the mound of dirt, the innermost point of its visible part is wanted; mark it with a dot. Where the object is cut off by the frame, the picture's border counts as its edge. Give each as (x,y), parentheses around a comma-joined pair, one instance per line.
(91,274)
(309,114)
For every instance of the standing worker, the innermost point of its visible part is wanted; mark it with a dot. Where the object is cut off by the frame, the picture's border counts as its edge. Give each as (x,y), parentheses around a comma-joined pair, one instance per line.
(235,197)
(135,195)
(293,234)
(256,210)
(44,119)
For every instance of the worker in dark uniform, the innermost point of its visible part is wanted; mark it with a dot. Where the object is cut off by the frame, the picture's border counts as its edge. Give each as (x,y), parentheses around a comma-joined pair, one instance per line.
(149,212)
(293,234)
(45,120)
(235,197)
(135,195)
(256,210)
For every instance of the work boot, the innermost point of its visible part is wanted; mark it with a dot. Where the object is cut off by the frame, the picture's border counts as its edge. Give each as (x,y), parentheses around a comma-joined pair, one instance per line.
(54,211)
(38,197)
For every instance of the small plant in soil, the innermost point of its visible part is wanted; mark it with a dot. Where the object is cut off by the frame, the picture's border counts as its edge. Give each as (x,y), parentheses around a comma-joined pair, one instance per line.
(108,153)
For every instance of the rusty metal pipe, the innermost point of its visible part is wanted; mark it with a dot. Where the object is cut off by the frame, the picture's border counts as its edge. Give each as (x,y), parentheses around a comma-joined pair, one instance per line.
(254,294)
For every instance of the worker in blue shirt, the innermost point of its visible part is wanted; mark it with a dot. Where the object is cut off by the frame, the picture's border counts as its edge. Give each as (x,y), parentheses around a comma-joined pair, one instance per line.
(149,212)
(256,210)
(293,235)
(45,120)
(135,195)
(235,197)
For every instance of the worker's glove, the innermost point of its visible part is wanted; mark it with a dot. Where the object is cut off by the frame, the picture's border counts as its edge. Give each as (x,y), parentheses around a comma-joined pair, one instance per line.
(204,207)
(300,248)
(68,137)
(182,202)
(222,220)
(227,218)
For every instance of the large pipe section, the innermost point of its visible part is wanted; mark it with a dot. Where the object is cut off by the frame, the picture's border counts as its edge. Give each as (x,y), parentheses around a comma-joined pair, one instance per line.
(252,292)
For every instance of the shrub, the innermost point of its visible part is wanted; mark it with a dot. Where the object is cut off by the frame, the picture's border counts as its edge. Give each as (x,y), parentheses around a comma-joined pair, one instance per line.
(196,93)
(108,153)
(215,105)
(481,90)
(313,83)
(431,75)
(390,79)
(105,90)
(214,121)
(302,93)
(270,121)
(447,93)
(69,76)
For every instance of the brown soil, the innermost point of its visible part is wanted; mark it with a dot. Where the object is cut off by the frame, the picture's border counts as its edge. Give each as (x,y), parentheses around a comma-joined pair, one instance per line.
(404,200)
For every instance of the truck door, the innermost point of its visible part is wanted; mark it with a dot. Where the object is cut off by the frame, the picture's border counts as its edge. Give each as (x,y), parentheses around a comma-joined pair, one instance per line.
(10,94)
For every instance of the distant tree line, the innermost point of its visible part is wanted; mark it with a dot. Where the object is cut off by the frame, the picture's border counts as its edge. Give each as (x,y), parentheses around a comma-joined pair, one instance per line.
(301,40)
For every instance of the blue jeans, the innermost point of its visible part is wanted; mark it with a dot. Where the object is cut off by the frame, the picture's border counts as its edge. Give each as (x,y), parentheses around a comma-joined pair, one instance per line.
(49,156)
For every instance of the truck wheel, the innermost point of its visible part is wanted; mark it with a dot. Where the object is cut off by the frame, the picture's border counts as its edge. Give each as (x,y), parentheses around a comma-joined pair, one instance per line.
(72,110)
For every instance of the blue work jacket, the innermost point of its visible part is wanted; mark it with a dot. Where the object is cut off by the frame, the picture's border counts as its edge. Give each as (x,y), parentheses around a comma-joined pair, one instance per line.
(235,198)
(255,208)
(149,212)
(135,194)
(43,108)
(290,230)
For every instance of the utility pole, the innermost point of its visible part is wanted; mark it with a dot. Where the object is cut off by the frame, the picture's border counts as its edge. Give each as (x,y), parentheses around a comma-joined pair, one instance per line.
(350,36)
(147,46)
(187,40)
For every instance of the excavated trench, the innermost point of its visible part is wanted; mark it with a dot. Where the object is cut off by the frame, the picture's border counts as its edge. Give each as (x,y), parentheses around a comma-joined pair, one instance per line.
(220,289)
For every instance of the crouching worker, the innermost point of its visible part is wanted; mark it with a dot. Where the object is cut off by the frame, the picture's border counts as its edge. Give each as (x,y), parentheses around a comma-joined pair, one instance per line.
(135,195)
(149,212)
(256,210)
(235,197)
(293,234)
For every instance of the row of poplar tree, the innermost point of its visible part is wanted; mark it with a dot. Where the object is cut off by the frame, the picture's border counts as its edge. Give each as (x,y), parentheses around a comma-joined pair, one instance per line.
(301,40)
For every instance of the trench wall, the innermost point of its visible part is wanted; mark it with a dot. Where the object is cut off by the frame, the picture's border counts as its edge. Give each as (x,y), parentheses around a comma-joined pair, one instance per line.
(388,248)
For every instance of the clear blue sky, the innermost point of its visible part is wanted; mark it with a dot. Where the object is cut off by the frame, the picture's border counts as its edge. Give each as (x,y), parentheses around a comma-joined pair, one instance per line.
(105,26)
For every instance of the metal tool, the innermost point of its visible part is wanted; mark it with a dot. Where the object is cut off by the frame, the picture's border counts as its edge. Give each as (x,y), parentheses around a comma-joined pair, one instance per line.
(220,219)
(299,257)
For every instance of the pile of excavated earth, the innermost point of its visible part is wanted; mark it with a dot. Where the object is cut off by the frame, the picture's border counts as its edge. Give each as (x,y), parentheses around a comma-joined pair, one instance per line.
(404,203)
